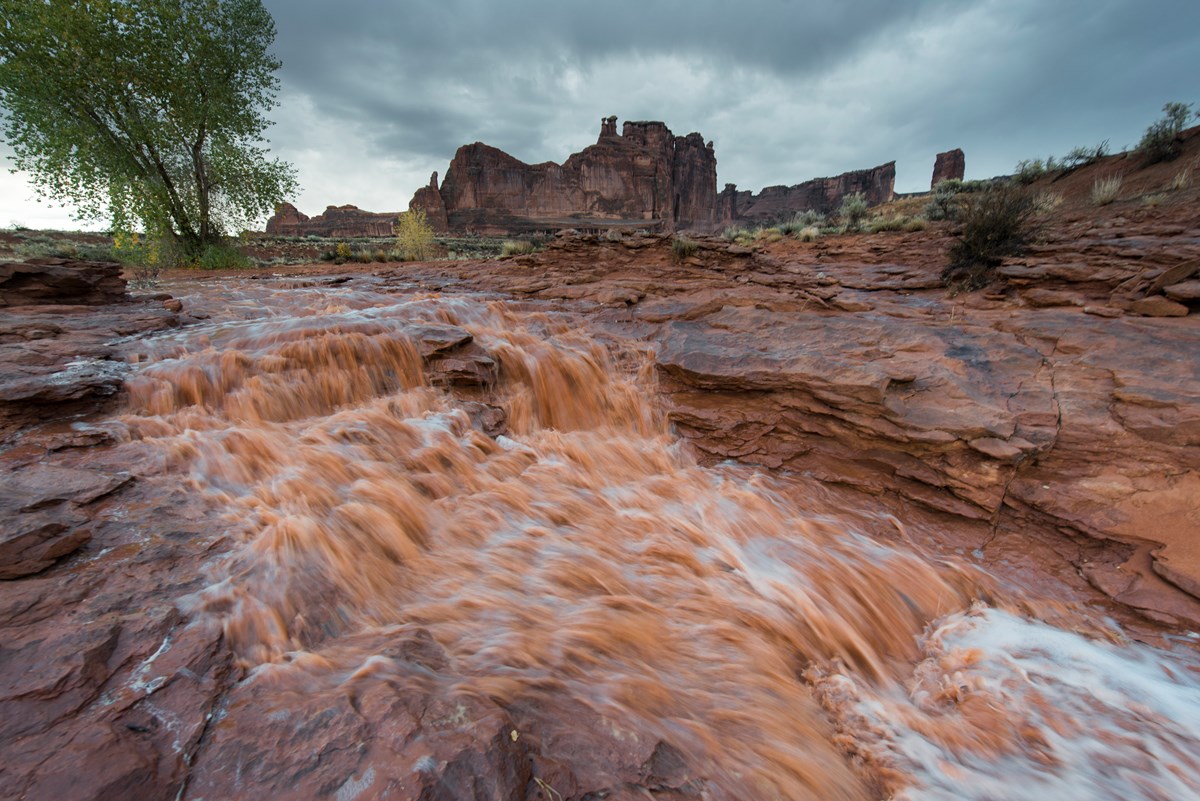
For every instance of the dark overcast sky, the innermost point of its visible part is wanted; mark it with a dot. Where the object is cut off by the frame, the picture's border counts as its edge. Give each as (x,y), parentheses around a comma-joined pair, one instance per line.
(376,94)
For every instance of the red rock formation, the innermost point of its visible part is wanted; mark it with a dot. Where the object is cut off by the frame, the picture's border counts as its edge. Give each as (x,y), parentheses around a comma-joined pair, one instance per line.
(951,165)
(776,203)
(644,177)
(335,221)
(60,281)
(429,200)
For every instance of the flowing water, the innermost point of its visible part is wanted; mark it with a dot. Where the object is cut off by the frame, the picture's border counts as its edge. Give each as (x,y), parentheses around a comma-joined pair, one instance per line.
(584,554)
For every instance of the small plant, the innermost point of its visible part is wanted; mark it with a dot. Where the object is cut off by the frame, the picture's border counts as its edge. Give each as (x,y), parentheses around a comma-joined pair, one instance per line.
(342,253)
(1163,140)
(414,235)
(1155,199)
(915,224)
(1181,180)
(1046,201)
(1083,156)
(853,210)
(1029,170)
(995,224)
(1105,190)
(684,248)
(943,203)
(516,247)
(809,234)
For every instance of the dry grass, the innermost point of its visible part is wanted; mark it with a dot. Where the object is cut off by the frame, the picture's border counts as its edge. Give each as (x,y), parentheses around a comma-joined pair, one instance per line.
(1105,190)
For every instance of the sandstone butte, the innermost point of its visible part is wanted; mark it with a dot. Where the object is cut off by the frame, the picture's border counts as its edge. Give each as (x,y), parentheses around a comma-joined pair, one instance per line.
(644,177)
(1045,429)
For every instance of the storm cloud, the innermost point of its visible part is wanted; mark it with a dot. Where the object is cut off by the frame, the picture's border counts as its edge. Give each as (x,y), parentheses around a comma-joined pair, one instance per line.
(379,93)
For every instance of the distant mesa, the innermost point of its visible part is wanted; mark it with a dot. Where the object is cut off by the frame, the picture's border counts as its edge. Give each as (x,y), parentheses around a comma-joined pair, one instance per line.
(644,177)
(336,221)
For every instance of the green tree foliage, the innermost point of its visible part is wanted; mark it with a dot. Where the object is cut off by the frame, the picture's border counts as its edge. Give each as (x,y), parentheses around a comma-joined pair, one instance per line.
(414,235)
(145,112)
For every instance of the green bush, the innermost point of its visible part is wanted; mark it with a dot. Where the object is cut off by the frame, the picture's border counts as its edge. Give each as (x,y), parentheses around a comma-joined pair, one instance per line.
(222,257)
(995,224)
(943,203)
(1029,170)
(1163,140)
(683,247)
(853,210)
(1083,156)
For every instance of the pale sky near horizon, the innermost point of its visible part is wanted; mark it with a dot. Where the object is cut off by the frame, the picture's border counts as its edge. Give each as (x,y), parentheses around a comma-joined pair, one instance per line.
(377,94)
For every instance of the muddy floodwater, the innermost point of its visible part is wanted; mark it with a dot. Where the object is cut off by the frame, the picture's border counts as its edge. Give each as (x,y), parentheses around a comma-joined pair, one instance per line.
(451,547)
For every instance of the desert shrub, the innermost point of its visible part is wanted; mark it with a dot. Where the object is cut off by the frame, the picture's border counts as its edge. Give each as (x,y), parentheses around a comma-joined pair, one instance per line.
(853,210)
(683,247)
(943,203)
(1046,201)
(1163,140)
(801,220)
(995,224)
(773,234)
(223,256)
(414,235)
(896,222)
(1029,170)
(1155,199)
(1082,156)
(731,233)
(809,233)
(1105,190)
(517,247)
(1181,180)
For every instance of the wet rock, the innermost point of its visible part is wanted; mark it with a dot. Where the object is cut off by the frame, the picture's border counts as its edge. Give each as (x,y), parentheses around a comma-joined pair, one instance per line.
(1102,311)
(1158,306)
(60,281)
(40,514)
(1184,291)
(1048,298)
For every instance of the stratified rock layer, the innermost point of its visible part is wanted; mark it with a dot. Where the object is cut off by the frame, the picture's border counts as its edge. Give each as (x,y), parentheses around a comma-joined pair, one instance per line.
(336,221)
(949,166)
(645,177)
(776,203)
(46,281)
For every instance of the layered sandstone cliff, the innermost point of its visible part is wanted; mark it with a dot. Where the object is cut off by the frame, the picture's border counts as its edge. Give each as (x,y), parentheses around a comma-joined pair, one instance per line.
(335,221)
(643,177)
(776,203)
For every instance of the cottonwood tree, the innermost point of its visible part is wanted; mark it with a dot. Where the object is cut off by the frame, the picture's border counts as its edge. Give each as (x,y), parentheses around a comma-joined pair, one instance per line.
(414,235)
(145,112)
